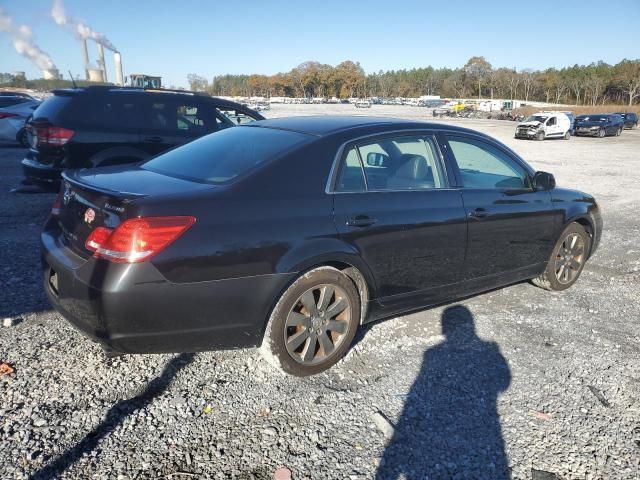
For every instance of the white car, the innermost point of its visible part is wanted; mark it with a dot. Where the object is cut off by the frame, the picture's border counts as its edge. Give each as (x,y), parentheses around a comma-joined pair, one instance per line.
(363,104)
(13,119)
(545,125)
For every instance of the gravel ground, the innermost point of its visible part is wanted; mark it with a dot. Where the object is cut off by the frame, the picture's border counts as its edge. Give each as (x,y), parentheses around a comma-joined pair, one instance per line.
(518,382)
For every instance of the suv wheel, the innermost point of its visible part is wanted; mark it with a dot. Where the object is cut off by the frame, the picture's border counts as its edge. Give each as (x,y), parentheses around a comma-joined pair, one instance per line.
(313,324)
(567,259)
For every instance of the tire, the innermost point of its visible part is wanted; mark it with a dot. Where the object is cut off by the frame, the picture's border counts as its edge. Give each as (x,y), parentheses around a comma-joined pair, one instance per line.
(22,138)
(634,126)
(302,327)
(567,259)
(618,132)
(602,133)
(567,135)
(540,136)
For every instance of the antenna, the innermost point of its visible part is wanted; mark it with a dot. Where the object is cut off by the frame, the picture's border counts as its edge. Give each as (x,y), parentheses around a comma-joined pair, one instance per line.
(72,80)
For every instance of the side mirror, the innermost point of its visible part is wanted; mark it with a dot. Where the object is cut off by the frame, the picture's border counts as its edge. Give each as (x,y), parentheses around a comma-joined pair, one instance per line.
(544,181)
(377,159)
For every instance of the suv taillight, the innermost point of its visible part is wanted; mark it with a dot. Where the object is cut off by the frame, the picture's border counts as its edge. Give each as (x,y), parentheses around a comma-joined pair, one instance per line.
(137,239)
(52,136)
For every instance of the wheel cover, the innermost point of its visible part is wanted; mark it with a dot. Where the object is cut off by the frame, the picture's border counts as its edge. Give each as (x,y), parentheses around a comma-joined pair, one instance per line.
(569,258)
(317,324)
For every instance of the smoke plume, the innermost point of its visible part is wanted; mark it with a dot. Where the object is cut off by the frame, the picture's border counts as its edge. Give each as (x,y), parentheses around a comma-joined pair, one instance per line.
(24,44)
(79,27)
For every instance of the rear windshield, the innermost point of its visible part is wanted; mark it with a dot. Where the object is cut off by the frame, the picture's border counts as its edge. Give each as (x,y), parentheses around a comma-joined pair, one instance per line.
(51,107)
(220,157)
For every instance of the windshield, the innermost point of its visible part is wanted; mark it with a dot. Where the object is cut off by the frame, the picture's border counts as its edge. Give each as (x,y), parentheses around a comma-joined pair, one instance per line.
(537,118)
(592,118)
(220,157)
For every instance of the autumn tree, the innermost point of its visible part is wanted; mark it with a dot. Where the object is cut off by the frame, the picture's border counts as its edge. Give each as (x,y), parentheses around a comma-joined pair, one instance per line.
(477,68)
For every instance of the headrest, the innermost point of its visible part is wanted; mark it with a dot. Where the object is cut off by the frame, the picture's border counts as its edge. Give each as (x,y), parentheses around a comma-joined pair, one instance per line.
(413,167)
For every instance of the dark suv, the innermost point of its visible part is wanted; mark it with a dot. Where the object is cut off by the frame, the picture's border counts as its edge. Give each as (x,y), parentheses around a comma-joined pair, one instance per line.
(630,119)
(599,124)
(101,125)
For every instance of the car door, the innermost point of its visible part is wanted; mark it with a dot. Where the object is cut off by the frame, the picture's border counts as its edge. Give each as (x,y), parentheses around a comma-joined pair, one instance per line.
(511,227)
(174,119)
(393,205)
(553,129)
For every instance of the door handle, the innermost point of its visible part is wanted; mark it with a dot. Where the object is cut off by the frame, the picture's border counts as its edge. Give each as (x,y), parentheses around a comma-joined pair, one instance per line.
(478,213)
(361,221)
(153,139)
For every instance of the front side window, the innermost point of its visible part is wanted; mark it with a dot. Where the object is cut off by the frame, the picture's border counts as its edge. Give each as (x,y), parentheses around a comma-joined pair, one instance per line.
(235,117)
(483,166)
(393,163)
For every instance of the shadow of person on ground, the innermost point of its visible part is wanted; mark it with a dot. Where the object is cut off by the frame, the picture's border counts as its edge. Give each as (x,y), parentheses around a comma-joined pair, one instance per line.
(450,426)
(114,418)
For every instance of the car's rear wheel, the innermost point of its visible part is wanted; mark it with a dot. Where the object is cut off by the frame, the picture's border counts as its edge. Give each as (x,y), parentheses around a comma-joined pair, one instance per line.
(313,323)
(567,135)
(567,259)
(540,136)
(618,132)
(601,133)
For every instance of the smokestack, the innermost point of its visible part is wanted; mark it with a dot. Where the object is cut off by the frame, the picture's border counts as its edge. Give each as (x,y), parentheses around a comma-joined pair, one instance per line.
(101,63)
(85,57)
(117,60)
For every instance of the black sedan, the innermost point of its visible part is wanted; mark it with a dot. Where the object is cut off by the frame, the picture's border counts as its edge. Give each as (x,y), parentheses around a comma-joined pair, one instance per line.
(599,125)
(289,233)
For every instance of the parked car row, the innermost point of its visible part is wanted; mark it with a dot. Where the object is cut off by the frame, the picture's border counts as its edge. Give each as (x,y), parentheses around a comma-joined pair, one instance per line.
(543,125)
(100,125)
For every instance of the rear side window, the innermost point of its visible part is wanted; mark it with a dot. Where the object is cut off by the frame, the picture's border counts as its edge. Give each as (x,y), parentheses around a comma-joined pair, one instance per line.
(183,116)
(392,163)
(225,155)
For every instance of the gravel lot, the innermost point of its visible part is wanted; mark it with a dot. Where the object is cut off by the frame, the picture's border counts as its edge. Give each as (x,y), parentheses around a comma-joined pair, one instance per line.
(518,382)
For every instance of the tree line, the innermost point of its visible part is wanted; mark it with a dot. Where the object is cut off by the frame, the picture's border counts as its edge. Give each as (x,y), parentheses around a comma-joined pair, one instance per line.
(594,84)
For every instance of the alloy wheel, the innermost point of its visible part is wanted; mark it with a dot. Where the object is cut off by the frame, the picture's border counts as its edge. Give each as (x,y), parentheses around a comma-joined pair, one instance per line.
(317,324)
(569,258)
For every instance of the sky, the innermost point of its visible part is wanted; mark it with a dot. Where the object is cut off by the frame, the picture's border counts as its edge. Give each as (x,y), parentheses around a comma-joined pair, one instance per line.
(175,38)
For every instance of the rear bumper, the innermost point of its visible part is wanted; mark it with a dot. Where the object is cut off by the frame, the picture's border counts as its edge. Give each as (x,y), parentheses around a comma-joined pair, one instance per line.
(132,308)
(37,172)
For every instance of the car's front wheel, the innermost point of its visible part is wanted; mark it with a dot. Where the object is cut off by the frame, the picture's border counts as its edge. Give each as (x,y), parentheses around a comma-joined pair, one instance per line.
(618,132)
(567,259)
(313,323)
(540,136)
(601,133)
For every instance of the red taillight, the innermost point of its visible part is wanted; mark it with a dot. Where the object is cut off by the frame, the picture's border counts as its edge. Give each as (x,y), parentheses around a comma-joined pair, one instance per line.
(52,136)
(57,203)
(137,239)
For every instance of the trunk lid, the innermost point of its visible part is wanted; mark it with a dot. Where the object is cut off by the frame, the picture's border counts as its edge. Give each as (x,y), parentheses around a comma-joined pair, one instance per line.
(102,197)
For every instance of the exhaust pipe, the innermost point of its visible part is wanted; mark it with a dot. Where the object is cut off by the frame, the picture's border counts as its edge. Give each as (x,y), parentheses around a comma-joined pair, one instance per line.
(117,60)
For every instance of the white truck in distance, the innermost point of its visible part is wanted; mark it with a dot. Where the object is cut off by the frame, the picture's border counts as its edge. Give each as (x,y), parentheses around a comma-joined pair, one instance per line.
(545,125)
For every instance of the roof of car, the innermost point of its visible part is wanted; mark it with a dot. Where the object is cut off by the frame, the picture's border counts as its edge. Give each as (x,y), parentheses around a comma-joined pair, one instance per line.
(327,124)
